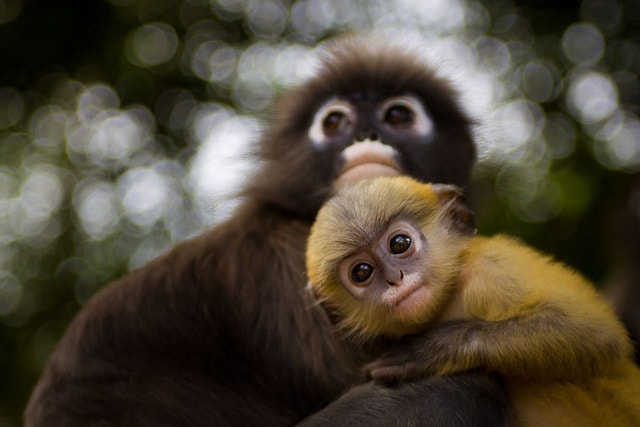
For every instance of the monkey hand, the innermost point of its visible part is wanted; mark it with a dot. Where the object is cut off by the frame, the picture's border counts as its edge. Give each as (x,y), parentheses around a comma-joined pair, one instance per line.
(391,374)
(408,360)
(448,348)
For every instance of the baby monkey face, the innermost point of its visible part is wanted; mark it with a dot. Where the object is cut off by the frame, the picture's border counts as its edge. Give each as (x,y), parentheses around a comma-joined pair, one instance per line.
(390,270)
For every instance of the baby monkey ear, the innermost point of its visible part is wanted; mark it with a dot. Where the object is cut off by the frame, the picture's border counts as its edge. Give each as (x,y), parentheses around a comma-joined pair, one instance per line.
(454,209)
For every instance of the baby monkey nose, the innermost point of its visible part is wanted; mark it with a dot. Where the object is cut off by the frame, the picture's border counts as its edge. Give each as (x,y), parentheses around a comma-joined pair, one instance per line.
(397,280)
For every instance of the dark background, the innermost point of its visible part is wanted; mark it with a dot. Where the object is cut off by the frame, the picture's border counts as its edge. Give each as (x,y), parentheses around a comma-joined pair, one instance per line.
(122,122)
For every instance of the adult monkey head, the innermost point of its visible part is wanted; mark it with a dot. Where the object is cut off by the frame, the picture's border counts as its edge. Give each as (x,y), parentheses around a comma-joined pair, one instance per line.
(373,109)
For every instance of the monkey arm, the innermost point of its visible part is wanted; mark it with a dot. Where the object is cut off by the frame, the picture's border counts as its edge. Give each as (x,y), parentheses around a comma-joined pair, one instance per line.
(543,344)
(517,313)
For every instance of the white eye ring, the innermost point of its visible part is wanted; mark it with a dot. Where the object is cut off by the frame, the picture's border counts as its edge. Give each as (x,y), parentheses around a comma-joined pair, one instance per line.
(422,124)
(316,131)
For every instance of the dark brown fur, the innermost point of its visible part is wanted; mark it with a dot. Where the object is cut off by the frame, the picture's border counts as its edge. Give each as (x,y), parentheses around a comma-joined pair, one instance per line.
(220,331)
(437,402)
(367,74)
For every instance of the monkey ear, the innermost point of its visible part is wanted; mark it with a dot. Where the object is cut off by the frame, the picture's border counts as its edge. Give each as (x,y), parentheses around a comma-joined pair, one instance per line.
(455,210)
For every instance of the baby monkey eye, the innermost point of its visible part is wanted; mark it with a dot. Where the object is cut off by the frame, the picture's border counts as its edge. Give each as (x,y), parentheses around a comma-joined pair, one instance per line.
(399,244)
(334,123)
(398,115)
(361,272)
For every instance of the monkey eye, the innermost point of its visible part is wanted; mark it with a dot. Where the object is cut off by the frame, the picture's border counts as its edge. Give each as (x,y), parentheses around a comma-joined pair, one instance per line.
(361,272)
(335,123)
(333,119)
(398,115)
(399,244)
(406,114)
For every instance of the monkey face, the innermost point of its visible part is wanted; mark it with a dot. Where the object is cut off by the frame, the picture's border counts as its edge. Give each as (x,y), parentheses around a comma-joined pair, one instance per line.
(372,109)
(366,136)
(385,254)
(391,271)
(397,282)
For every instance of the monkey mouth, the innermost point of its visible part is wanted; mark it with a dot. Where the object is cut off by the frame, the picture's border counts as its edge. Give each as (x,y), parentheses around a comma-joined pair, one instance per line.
(405,294)
(367,160)
(365,171)
(409,301)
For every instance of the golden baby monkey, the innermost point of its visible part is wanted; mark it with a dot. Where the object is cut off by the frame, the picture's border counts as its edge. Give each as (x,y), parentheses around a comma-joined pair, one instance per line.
(397,261)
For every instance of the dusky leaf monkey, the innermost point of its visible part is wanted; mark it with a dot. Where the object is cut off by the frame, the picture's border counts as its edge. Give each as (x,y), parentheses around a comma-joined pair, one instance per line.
(220,330)
(399,265)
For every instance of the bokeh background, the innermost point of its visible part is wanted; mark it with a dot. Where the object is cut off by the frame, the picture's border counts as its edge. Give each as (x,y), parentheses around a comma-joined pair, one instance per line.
(124,126)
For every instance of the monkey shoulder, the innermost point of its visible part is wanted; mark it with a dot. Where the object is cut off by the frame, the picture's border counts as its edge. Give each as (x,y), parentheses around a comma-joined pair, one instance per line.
(180,284)
(501,274)
(124,313)
(498,261)
(518,277)
(510,259)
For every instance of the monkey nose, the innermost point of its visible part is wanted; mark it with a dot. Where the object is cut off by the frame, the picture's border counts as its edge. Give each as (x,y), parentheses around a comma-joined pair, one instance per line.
(363,135)
(397,280)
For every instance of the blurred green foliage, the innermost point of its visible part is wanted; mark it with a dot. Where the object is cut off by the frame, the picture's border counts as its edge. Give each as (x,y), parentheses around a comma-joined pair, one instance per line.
(123,124)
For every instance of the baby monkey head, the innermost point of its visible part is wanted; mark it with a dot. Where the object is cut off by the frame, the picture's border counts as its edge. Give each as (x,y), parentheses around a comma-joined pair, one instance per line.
(385,254)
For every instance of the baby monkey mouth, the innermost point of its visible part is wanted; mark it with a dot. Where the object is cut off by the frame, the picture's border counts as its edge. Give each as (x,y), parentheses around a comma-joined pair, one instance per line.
(404,295)
(410,301)
(365,160)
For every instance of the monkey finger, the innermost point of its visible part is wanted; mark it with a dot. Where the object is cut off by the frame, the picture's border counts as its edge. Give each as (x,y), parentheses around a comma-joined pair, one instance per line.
(389,373)
(386,374)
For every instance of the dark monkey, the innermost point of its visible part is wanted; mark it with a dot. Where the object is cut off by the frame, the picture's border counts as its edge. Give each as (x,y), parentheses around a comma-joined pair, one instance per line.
(399,263)
(220,330)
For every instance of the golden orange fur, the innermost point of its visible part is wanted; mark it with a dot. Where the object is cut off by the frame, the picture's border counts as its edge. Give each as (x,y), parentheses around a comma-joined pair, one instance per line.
(495,304)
